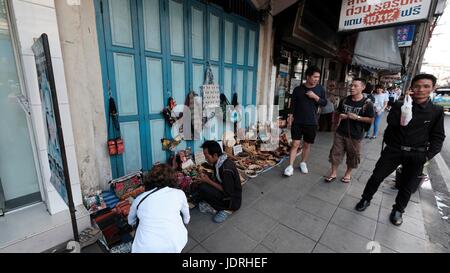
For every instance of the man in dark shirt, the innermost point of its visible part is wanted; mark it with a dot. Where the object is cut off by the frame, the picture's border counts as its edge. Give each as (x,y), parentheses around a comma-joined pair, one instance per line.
(224,194)
(303,117)
(356,113)
(410,146)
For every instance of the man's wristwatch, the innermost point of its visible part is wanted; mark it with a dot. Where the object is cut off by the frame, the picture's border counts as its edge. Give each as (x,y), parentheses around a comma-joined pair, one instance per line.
(358,118)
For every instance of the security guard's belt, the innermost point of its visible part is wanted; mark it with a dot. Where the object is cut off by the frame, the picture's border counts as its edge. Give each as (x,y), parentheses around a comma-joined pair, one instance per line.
(408,149)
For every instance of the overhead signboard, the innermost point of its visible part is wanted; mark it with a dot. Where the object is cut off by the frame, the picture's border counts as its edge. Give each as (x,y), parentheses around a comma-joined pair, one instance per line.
(364,14)
(405,35)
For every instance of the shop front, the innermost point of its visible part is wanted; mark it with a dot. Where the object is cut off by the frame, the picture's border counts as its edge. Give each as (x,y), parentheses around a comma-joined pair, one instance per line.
(33,216)
(153,50)
(18,188)
(306,36)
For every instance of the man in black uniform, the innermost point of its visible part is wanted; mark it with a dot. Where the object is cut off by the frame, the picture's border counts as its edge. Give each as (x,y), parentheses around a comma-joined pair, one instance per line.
(410,146)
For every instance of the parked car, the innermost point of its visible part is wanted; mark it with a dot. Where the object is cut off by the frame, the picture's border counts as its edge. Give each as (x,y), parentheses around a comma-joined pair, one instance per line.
(442,97)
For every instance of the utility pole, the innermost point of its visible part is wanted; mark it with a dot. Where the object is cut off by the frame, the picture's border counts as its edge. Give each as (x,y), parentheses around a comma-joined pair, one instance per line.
(418,50)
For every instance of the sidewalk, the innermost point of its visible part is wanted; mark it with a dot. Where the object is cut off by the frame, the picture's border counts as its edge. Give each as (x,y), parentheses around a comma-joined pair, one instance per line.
(303,214)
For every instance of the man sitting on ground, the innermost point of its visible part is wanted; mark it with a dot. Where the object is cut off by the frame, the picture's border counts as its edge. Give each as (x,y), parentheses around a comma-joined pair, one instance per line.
(225,194)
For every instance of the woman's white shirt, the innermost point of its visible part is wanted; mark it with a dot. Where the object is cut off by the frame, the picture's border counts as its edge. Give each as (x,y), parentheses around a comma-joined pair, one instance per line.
(161,226)
(380,100)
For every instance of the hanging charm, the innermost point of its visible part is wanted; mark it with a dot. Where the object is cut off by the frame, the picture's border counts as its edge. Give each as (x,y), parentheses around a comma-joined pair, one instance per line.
(169,114)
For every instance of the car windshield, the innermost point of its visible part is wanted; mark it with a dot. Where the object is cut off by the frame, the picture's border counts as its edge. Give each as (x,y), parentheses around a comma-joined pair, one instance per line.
(443,91)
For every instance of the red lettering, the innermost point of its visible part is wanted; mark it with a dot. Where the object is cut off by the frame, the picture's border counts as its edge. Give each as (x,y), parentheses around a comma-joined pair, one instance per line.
(367,9)
(378,7)
(353,2)
(395,3)
(350,11)
(382,17)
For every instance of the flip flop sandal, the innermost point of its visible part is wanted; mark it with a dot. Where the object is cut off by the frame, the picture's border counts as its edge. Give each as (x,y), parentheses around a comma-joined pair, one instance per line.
(346,180)
(329,179)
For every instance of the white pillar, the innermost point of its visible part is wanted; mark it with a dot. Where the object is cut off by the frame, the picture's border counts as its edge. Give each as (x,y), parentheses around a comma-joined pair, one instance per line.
(265,95)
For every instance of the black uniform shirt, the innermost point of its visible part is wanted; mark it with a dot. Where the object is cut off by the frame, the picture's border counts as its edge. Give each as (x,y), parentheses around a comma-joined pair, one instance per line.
(303,108)
(426,129)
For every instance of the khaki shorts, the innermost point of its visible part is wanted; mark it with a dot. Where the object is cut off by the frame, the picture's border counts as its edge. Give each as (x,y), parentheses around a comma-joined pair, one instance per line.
(345,145)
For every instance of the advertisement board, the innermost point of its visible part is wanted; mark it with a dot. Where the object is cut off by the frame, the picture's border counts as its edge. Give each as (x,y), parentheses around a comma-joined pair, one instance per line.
(405,35)
(365,14)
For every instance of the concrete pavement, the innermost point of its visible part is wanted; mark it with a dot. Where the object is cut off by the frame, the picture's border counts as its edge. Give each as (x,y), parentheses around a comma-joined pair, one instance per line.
(303,214)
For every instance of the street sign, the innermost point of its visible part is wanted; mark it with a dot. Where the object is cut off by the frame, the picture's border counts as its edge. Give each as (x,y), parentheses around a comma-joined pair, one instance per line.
(364,14)
(56,150)
(405,35)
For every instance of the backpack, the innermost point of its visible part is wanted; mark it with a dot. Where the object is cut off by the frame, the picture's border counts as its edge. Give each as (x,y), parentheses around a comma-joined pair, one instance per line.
(367,103)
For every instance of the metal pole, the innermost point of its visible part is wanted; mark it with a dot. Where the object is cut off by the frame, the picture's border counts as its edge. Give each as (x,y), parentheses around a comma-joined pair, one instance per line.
(418,52)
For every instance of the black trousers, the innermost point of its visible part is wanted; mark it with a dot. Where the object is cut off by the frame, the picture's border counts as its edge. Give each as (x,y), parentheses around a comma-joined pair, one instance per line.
(325,122)
(212,196)
(390,159)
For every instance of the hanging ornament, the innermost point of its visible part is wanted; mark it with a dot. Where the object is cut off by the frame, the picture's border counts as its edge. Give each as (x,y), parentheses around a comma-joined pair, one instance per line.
(169,114)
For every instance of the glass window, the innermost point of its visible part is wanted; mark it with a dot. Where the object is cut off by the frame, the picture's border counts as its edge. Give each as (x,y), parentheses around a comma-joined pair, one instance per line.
(18,175)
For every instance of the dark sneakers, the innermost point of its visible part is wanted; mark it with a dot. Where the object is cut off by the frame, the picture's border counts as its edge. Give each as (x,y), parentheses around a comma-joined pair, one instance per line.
(362,205)
(396,217)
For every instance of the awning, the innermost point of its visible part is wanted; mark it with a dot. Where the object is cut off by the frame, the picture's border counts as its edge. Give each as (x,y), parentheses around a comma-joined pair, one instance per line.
(378,49)
(277,6)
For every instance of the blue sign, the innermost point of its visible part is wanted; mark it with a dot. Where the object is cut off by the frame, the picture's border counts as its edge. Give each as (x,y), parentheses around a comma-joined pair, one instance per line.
(405,35)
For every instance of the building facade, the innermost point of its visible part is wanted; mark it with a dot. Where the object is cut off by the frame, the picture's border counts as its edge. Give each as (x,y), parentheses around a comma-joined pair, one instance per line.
(138,52)
(36,217)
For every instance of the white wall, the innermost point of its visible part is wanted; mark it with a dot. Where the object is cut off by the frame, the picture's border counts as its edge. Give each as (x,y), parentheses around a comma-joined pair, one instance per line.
(30,19)
(80,50)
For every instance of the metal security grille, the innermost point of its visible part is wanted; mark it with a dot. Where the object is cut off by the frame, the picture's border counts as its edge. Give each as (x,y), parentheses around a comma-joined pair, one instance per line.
(240,7)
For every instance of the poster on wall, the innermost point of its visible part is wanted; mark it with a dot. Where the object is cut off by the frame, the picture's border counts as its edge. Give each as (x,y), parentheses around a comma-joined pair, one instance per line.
(359,14)
(405,35)
(282,86)
(55,142)
(46,84)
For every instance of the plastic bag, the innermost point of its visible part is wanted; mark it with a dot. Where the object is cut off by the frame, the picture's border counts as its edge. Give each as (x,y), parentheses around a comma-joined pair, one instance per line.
(407,114)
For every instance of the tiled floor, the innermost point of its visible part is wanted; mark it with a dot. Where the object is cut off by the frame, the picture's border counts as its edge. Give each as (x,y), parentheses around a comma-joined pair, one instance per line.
(303,214)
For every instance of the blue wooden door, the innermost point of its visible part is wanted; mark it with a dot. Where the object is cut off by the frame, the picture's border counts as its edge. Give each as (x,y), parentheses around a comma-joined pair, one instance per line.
(125,81)
(135,42)
(155,49)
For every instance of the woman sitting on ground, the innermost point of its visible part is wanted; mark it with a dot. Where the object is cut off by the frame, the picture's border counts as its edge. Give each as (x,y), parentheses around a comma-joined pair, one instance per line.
(160,229)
